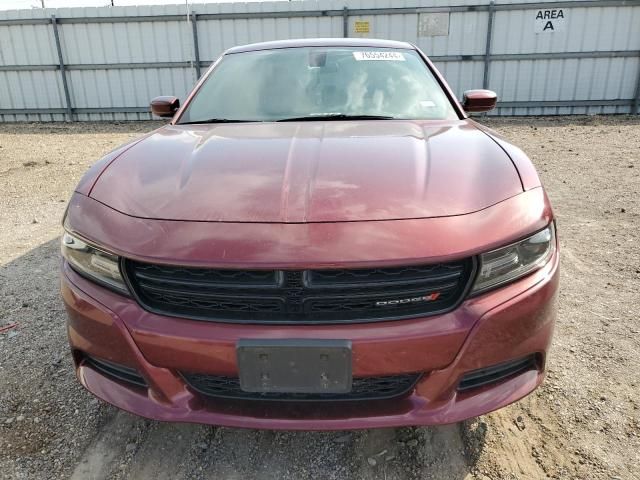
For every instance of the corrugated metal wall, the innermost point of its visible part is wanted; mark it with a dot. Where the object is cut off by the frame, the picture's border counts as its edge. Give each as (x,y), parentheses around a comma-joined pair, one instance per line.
(116,59)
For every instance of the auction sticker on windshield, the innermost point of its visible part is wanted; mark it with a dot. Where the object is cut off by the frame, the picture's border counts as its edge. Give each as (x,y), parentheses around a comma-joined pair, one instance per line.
(394,56)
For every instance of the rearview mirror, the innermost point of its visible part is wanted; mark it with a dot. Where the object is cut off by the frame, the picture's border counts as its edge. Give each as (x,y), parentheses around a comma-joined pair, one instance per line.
(165,106)
(479,100)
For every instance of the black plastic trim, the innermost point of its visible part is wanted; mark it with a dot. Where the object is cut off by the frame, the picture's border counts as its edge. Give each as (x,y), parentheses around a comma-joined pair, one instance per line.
(496,373)
(310,282)
(310,397)
(473,270)
(114,370)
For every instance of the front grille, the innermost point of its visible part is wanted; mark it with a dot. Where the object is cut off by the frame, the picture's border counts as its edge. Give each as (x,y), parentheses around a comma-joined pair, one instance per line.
(299,296)
(369,388)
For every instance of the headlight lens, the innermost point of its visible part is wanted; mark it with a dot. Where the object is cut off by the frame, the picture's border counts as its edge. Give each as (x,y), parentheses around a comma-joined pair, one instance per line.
(514,261)
(93,263)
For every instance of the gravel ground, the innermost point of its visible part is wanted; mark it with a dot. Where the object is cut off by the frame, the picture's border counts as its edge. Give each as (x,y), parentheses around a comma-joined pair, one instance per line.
(583,423)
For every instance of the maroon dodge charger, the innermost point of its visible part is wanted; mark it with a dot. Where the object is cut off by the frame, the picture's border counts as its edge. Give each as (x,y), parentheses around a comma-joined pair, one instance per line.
(320,238)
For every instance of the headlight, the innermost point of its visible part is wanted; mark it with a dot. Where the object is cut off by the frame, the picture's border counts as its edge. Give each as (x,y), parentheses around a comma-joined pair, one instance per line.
(93,263)
(514,261)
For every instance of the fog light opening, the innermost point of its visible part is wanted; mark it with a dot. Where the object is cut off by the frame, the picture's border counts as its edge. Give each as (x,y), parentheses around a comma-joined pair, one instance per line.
(116,371)
(497,373)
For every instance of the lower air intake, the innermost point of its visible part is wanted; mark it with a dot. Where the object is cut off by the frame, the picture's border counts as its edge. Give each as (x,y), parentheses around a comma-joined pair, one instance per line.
(369,388)
(116,371)
(496,373)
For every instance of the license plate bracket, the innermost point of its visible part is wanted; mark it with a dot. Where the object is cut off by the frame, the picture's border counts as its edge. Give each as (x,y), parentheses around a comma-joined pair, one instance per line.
(294,365)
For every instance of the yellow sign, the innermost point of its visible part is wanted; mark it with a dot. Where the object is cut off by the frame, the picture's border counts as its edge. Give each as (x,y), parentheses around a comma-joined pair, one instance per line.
(362,27)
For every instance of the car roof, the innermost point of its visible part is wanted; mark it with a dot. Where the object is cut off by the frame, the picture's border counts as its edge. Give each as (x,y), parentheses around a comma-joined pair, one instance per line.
(321,42)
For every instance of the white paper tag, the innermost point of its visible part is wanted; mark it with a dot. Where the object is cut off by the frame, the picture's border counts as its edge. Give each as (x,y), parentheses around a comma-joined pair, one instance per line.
(389,56)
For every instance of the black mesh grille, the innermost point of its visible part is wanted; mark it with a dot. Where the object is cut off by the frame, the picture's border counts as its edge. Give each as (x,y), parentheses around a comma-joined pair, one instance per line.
(207,276)
(299,296)
(369,276)
(369,388)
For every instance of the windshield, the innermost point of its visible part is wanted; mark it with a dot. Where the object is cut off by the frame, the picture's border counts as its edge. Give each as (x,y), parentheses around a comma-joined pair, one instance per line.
(299,83)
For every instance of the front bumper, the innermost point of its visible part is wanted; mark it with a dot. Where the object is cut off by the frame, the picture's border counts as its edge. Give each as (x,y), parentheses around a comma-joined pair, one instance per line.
(503,325)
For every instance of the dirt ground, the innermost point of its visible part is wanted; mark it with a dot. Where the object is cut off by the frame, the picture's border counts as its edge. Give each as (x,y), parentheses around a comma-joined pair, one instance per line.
(583,423)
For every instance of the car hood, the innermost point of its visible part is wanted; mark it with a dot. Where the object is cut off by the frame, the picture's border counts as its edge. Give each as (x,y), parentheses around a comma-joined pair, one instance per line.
(309,172)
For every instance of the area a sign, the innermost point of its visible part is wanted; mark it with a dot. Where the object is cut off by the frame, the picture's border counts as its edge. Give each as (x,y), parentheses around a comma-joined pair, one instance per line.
(550,20)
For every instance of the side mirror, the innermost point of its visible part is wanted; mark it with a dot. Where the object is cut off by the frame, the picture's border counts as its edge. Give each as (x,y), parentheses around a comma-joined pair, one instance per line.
(479,100)
(165,106)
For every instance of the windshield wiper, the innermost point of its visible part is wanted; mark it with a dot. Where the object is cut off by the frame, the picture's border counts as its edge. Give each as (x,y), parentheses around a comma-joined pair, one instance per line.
(217,120)
(336,116)
(321,116)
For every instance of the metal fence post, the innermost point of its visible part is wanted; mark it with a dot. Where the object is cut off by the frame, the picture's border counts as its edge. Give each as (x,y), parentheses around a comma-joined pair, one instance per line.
(487,49)
(63,73)
(635,105)
(345,22)
(196,50)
